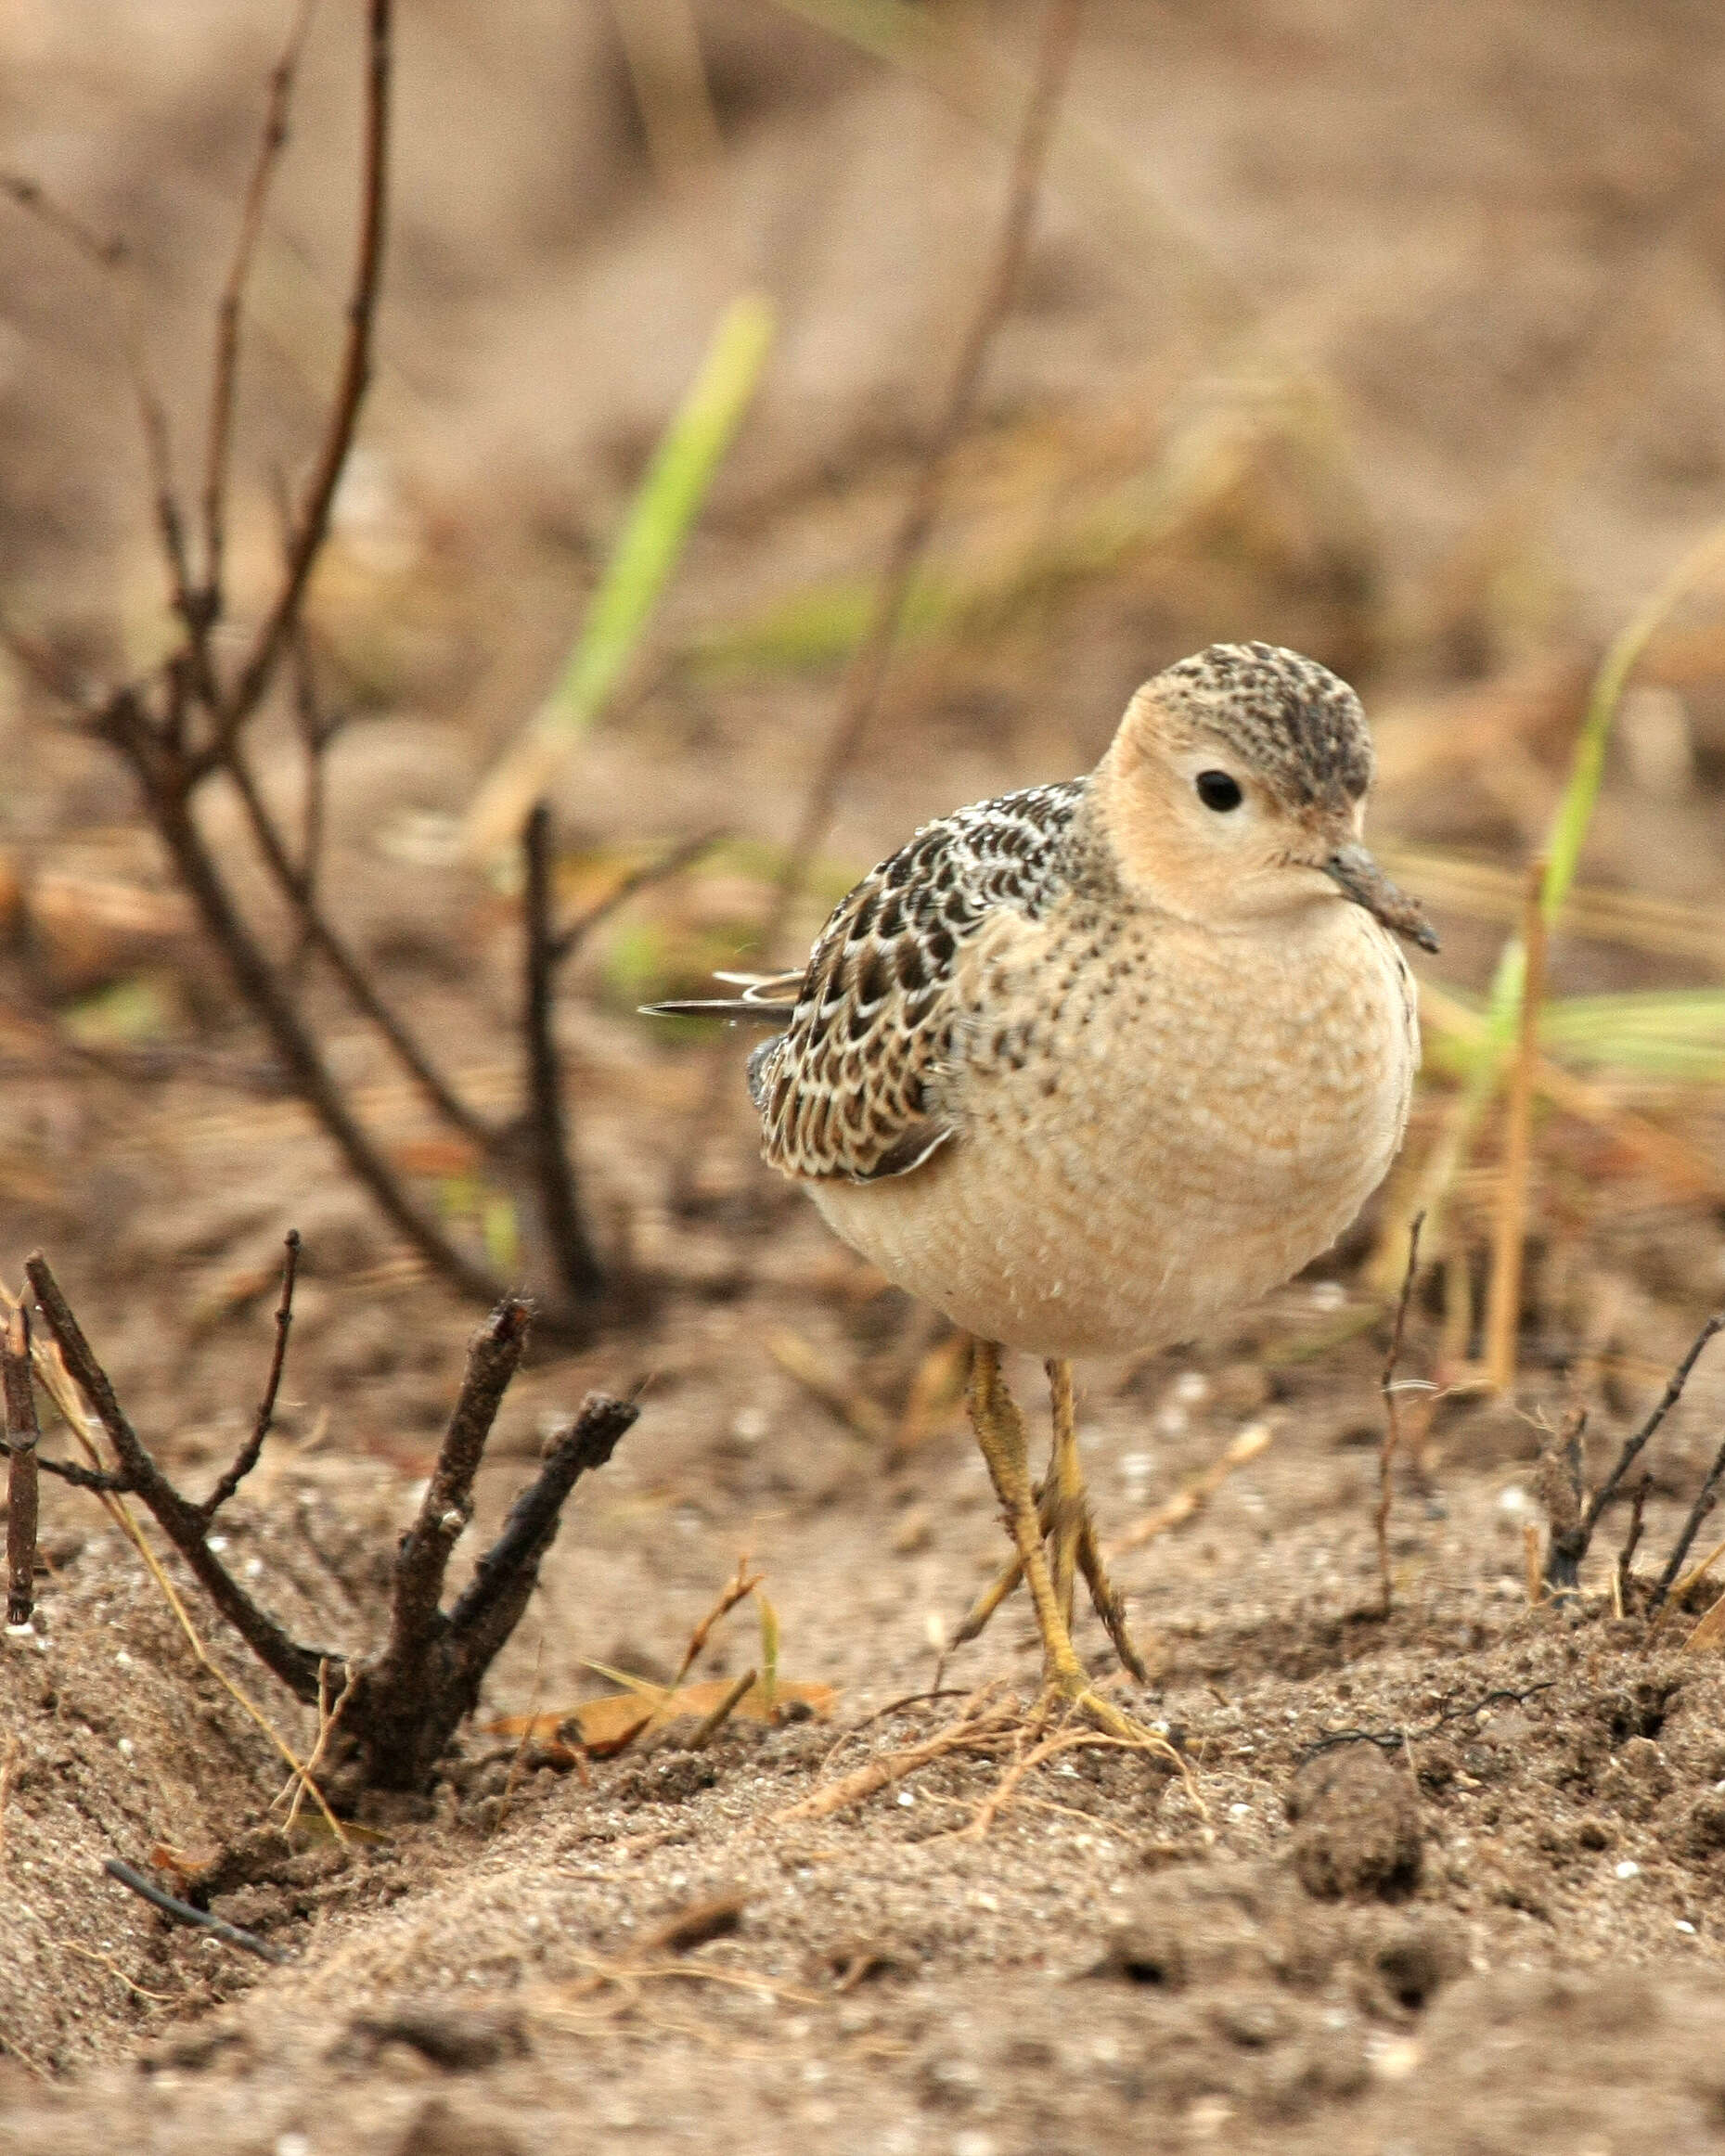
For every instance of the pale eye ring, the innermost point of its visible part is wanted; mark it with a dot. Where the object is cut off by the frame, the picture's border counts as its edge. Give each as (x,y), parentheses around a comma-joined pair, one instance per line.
(1218,792)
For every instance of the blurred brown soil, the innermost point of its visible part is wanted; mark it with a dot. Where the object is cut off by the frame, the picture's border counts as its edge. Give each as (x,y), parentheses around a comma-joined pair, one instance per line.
(1426,300)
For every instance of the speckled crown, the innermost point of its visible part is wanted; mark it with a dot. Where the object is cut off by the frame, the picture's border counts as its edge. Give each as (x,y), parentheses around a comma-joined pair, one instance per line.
(1297,725)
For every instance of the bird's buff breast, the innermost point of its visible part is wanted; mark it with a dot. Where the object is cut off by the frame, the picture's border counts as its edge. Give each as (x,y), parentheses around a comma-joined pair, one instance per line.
(1152,1128)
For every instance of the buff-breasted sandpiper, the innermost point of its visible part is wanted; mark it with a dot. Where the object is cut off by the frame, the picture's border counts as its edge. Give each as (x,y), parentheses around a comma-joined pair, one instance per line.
(1089,1066)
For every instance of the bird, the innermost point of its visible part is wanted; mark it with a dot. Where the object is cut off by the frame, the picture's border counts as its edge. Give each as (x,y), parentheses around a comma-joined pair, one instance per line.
(1091,1065)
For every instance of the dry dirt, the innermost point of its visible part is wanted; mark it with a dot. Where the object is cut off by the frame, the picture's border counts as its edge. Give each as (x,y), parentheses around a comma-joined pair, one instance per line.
(1448,1880)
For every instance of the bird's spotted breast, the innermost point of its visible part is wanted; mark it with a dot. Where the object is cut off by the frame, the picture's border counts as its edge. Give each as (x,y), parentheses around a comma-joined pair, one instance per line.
(1154,1124)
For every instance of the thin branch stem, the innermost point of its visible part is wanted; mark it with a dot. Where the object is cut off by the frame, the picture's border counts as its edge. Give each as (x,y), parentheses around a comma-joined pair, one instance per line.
(224,377)
(554,1174)
(248,1456)
(569,940)
(79,1478)
(181,1522)
(314,520)
(318,934)
(1633,1447)
(184,1913)
(258,982)
(1706,1500)
(488,1611)
(448,1503)
(22,1488)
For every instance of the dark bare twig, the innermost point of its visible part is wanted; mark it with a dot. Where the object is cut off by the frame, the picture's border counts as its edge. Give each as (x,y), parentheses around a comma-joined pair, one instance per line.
(1631,1540)
(569,940)
(297,881)
(182,1521)
(95,1479)
(200,1919)
(30,196)
(264,990)
(396,1712)
(316,730)
(486,1612)
(554,1174)
(1667,1400)
(1706,1500)
(1393,1740)
(1572,1525)
(182,725)
(224,378)
(248,1456)
(316,733)
(1390,1444)
(317,933)
(866,675)
(22,1492)
(49,672)
(314,518)
(448,1502)
(413,1698)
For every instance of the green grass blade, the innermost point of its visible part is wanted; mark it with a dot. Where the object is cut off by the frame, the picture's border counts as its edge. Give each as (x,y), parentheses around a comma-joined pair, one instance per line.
(1567,837)
(1574,818)
(660,519)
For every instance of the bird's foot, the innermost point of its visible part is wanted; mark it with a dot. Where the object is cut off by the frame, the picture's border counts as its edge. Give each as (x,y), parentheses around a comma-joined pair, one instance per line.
(1069,1692)
(1079,1539)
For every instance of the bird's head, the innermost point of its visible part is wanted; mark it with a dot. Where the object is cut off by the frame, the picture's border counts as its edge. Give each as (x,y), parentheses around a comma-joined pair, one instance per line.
(1235,789)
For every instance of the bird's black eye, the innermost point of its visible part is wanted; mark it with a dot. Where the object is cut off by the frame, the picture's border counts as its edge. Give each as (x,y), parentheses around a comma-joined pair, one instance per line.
(1218,792)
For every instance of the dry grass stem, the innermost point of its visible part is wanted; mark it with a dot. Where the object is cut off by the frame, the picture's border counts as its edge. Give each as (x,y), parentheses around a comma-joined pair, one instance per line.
(1390,1444)
(328,1721)
(1007,1789)
(979,1727)
(712,1724)
(738,1589)
(1709,1633)
(1681,1589)
(1503,1299)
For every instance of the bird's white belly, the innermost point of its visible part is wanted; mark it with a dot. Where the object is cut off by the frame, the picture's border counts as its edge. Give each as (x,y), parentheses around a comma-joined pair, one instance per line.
(1174,1145)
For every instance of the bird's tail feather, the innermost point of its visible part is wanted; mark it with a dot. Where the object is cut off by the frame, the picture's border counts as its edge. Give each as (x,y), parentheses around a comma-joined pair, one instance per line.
(737,1008)
(767,999)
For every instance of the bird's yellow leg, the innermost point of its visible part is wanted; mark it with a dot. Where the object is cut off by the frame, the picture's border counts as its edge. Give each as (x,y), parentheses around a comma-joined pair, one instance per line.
(1067,1518)
(1001,1433)
(1063,1512)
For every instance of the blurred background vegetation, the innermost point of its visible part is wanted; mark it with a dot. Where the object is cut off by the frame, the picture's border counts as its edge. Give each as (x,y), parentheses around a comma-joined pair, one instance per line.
(1395,335)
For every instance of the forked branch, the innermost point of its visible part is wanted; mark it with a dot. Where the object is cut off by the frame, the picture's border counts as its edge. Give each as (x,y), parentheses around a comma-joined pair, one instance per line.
(401,1708)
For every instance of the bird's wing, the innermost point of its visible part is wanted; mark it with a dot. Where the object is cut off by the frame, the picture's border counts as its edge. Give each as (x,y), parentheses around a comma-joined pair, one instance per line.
(853,1088)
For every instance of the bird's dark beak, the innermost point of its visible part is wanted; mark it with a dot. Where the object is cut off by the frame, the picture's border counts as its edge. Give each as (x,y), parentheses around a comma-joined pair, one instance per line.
(1359,878)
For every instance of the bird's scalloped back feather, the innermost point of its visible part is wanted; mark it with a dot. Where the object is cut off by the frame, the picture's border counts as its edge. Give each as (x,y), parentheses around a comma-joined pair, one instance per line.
(852,1088)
